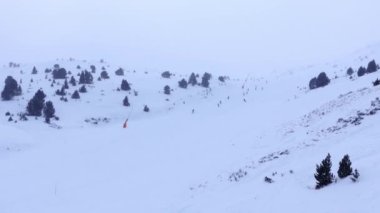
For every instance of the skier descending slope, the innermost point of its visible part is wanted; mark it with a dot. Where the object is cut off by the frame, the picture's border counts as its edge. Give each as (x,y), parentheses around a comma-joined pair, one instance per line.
(125,125)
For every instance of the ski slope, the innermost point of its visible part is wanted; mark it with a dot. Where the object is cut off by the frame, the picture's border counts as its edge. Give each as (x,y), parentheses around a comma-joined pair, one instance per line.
(173,160)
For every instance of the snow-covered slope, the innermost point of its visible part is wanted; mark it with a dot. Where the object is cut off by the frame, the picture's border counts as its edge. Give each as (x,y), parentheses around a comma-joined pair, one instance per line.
(173,160)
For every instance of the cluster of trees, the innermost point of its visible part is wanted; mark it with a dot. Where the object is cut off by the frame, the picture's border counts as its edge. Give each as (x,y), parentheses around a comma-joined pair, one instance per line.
(86,77)
(11,89)
(320,81)
(58,72)
(205,81)
(36,106)
(325,177)
(371,67)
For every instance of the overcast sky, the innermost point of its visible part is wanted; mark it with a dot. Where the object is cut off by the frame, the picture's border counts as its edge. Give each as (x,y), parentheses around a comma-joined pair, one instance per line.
(192,35)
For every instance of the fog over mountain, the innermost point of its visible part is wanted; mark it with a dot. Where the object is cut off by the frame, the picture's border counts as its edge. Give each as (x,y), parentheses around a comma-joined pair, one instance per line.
(227,36)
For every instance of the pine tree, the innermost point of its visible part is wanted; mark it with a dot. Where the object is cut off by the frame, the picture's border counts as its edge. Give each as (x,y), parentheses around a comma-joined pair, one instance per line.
(372,67)
(126,101)
(49,111)
(323,173)
(125,85)
(205,80)
(350,71)
(59,73)
(73,82)
(322,80)
(119,72)
(313,83)
(361,71)
(75,95)
(166,74)
(193,79)
(167,90)
(345,167)
(146,108)
(93,68)
(61,92)
(66,85)
(104,75)
(85,77)
(10,89)
(34,71)
(36,104)
(182,84)
(83,89)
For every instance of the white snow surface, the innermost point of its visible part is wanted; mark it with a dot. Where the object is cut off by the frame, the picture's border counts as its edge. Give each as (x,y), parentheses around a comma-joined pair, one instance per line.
(171,160)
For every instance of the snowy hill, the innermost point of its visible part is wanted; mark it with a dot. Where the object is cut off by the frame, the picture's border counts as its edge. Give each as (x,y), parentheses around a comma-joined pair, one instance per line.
(172,159)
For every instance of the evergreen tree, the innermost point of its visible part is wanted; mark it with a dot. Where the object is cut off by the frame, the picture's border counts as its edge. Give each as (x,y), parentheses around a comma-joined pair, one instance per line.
(372,67)
(104,75)
(323,173)
(126,101)
(18,90)
(125,85)
(61,92)
(119,72)
(146,108)
(93,68)
(222,78)
(350,71)
(75,95)
(83,89)
(167,90)
(36,104)
(205,80)
(345,167)
(66,85)
(85,77)
(361,71)
(192,79)
(49,111)
(166,74)
(59,73)
(313,83)
(182,84)
(34,71)
(10,89)
(73,82)
(322,80)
